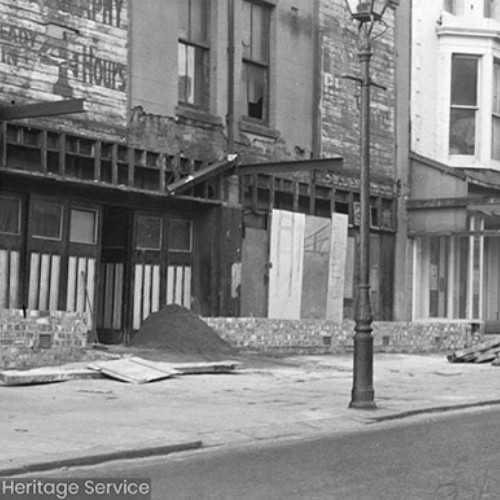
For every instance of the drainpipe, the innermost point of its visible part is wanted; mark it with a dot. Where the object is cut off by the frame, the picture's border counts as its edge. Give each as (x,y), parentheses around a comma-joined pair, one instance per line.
(230,78)
(317,71)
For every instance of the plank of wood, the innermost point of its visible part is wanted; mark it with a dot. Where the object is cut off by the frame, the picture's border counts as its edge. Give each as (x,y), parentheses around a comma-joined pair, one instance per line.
(458,356)
(132,370)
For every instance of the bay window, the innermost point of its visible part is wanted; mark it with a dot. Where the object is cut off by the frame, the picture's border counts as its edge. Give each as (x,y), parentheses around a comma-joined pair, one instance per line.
(463,105)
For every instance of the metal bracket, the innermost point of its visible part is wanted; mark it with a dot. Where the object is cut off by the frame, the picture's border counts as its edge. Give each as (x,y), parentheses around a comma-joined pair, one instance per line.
(360,80)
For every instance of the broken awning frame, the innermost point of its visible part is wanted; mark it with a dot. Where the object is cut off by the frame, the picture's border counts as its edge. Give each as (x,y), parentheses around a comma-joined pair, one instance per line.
(269,168)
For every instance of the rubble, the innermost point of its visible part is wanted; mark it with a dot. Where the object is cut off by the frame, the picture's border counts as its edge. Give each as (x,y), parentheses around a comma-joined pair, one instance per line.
(480,353)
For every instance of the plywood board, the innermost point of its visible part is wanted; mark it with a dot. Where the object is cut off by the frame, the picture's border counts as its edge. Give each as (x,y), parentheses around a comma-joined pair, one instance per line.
(317,239)
(287,258)
(132,370)
(336,274)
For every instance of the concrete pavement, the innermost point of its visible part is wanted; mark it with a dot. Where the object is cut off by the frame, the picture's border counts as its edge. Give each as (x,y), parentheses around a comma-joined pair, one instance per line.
(88,421)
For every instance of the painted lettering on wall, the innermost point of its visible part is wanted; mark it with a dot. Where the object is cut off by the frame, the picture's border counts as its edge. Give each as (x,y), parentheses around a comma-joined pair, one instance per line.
(56,46)
(109,12)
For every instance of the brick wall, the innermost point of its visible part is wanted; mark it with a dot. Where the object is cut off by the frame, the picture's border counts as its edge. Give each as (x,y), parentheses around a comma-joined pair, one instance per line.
(42,338)
(318,336)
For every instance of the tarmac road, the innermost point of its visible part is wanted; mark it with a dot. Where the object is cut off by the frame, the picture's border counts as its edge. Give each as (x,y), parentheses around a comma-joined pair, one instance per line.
(452,456)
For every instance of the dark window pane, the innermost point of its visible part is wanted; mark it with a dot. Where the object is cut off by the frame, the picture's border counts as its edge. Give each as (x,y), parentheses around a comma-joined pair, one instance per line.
(255,32)
(496,138)
(191,64)
(47,220)
(183,7)
(255,89)
(10,215)
(462,131)
(464,81)
(246,34)
(179,235)
(199,18)
(149,232)
(260,33)
(83,226)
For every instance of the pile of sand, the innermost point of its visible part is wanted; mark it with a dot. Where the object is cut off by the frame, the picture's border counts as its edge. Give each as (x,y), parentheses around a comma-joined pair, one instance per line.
(177,329)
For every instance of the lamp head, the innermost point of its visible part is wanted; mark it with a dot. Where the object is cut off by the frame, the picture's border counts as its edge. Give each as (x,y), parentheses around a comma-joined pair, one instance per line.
(367,10)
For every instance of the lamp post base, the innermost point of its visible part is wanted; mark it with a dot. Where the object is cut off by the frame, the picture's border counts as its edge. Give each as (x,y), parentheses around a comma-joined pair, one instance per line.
(363,399)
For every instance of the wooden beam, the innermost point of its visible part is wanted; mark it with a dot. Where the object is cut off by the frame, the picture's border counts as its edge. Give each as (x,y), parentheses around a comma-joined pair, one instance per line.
(200,176)
(325,164)
(42,109)
(458,202)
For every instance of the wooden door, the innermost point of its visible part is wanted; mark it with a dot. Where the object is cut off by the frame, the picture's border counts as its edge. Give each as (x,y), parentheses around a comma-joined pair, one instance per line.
(45,250)
(115,271)
(148,249)
(11,244)
(82,258)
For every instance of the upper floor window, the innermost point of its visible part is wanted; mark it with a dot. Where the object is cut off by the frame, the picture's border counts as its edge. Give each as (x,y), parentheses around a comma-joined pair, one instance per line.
(193,52)
(463,104)
(495,112)
(492,9)
(453,6)
(255,77)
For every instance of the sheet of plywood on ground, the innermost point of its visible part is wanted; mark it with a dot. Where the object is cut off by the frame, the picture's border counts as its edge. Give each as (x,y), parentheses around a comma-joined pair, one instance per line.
(45,375)
(192,368)
(471,353)
(133,370)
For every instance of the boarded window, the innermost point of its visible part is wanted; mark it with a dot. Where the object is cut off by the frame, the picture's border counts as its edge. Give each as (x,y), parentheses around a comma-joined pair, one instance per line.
(10,215)
(193,52)
(47,220)
(149,231)
(255,75)
(180,235)
(83,226)
(464,72)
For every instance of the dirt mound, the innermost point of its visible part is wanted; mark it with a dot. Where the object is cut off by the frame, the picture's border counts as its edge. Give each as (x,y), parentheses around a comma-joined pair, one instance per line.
(177,329)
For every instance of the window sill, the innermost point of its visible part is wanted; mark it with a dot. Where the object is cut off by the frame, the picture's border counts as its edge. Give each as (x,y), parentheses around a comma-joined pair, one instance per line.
(197,115)
(258,129)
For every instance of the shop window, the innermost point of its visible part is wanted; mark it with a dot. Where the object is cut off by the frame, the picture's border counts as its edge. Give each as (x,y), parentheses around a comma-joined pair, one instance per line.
(180,235)
(255,76)
(149,233)
(464,108)
(10,215)
(47,220)
(193,51)
(441,277)
(83,226)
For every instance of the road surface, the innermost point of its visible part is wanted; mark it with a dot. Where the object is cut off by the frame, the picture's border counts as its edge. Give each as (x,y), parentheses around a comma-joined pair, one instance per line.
(455,456)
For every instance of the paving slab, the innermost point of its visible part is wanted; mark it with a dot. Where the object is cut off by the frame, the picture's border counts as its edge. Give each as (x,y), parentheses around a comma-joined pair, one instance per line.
(44,426)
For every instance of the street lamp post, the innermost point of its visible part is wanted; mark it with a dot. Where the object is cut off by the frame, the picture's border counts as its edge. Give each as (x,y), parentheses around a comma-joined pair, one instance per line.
(363,395)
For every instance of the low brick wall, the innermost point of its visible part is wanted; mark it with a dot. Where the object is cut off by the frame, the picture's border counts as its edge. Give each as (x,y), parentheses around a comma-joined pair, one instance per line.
(320,336)
(42,338)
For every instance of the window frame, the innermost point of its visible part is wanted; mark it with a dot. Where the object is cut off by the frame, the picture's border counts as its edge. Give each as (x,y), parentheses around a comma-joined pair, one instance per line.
(62,208)
(96,225)
(202,46)
(248,61)
(475,108)
(19,215)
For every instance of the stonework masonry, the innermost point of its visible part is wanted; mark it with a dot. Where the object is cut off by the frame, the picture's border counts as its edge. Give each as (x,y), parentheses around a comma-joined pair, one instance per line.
(321,336)
(41,338)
